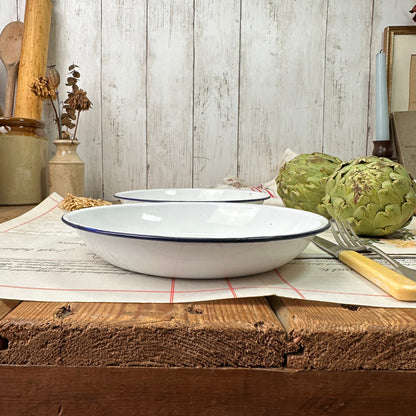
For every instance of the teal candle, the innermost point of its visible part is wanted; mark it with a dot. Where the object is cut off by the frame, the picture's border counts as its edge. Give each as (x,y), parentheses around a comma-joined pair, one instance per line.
(382,108)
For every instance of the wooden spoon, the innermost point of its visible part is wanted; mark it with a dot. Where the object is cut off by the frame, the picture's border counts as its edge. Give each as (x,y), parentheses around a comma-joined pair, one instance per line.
(10,47)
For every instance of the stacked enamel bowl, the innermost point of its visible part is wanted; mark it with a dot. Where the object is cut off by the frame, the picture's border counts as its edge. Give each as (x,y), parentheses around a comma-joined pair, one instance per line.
(192,195)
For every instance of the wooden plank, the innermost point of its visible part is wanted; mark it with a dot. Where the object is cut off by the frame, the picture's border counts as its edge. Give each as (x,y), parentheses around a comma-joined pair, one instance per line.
(169,93)
(217,32)
(412,83)
(229,333)
(75,37)
(124,96)
(348,43)
(6,305)
(343,337)
(281,83)
(186,391)
(403,126)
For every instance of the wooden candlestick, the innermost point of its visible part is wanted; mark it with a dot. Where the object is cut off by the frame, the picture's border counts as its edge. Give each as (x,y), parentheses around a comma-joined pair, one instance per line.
(383,148)
(33,58)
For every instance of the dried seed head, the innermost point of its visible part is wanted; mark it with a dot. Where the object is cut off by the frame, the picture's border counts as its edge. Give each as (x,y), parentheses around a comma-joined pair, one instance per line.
(54,77)
(42,89)
(78,100)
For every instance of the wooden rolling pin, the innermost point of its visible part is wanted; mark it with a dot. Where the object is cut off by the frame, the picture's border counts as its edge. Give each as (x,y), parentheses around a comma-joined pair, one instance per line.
(33,58)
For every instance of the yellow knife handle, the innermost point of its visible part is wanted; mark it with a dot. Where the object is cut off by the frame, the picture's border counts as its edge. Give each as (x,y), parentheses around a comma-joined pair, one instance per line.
(399,286)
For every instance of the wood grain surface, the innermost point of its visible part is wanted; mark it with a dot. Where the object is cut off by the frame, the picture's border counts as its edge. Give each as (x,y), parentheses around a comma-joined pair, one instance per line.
(277,94)
(216,91)
(345,337)
(124,123)
(6,305)
(230,333)
(33,59)
(169,93)
(189,391)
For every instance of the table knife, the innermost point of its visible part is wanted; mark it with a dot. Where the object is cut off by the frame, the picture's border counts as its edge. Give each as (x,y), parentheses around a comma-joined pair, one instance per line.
(397,285)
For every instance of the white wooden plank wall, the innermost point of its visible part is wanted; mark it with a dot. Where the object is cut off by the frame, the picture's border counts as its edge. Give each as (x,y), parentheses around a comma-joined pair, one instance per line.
(216,88)
(347,71)
(169,93)
(281,83)
(186,92)
(123,96)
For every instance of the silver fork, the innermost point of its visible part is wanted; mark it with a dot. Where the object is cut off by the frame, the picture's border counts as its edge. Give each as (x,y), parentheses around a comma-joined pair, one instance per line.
(348,239)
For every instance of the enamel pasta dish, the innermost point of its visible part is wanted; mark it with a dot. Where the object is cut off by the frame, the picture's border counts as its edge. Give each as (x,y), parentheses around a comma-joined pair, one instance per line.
(196,240)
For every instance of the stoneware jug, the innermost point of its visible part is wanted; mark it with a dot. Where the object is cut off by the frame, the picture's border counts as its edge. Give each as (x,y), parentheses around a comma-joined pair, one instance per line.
(67,169)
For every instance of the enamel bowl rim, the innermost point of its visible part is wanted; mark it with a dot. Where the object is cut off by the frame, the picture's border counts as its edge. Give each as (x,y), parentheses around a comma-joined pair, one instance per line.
(77,224)
(234,195)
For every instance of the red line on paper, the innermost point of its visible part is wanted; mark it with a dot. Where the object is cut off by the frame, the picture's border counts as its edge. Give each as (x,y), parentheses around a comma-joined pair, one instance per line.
(32,219)
(186,291)
(53,199)
(293,287)
(230,286)
(172,290)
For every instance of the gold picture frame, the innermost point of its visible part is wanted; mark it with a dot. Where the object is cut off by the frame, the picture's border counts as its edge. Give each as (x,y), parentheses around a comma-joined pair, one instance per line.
(399,46)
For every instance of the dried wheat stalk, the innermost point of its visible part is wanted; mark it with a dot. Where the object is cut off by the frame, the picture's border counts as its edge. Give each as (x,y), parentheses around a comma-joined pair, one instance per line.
(72,202)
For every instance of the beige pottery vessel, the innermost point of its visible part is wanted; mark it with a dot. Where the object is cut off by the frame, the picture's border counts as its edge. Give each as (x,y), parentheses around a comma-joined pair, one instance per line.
(67,169)
(23,161)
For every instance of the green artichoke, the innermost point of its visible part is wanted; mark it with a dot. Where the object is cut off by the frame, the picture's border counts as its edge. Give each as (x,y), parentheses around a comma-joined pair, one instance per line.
(374,194)
(301,182)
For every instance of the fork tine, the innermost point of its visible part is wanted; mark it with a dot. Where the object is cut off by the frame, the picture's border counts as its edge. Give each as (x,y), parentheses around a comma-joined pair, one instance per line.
(335,232)
(352,233)
(341,231)
(346,237)
(370,247)
(348,231)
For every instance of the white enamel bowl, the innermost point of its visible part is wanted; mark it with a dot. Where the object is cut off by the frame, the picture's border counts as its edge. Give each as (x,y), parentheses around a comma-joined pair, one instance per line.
(196,240)
(191,195)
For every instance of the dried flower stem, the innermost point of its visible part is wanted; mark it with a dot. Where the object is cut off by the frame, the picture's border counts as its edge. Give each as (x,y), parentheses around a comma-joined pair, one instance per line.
(56,113)
(59,116)
(76,126)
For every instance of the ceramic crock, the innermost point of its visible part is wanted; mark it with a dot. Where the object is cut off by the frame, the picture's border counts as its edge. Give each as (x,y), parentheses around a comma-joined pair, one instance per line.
(23,161)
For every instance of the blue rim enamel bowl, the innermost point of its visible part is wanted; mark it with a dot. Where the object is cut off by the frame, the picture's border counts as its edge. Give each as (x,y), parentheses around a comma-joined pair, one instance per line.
(192,195)
(196,240)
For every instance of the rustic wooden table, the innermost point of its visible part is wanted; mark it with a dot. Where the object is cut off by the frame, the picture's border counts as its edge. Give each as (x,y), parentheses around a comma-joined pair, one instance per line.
(254,356)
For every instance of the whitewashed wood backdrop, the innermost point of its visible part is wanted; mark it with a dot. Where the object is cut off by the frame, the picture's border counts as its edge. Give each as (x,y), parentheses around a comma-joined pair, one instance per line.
(186,92)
